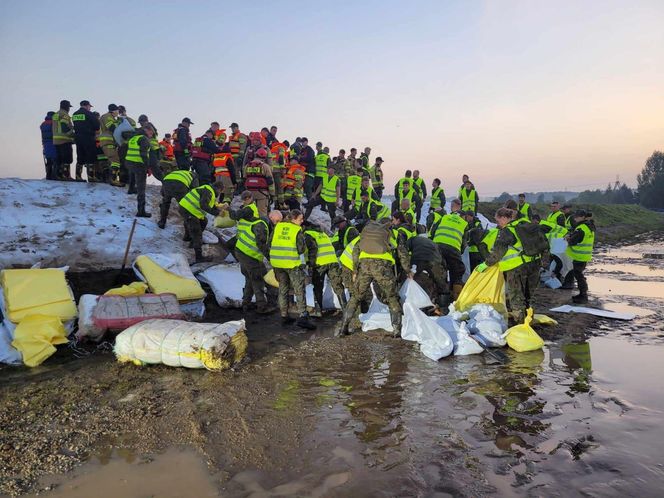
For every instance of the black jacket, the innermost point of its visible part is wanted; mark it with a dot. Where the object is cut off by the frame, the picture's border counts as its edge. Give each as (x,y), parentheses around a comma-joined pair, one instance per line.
(86,124)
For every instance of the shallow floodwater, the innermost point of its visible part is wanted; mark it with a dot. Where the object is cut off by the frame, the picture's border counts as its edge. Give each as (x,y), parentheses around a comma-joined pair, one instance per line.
(585,416)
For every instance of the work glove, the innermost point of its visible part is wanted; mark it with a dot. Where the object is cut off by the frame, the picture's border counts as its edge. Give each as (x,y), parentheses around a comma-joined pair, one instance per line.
(481,267)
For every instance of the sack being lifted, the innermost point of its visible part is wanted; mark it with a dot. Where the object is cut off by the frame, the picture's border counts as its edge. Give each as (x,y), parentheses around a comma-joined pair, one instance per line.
(176,343)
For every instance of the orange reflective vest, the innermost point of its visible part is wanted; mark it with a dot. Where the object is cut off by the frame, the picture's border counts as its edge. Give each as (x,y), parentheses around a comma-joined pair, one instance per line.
(237,142)
(167,148)
(220,163)
(220,136)
(280,152)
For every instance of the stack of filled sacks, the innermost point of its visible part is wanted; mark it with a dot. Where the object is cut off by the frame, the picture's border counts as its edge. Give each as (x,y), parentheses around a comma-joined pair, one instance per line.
(176,343)
(170,273)
(39,311)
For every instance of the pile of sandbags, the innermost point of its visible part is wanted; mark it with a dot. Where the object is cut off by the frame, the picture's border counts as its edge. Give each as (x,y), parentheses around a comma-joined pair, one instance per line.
(214,346)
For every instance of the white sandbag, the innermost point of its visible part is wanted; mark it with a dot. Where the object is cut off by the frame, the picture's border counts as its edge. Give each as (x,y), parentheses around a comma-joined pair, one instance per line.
(175,343)
(376,320)
(377,307)
(487,325)
(330,300)
(553,283)
(210,238)
(464,344)
(86,326)
(558,248)
(8,353)
(412,293)
(434,342)
(226,282)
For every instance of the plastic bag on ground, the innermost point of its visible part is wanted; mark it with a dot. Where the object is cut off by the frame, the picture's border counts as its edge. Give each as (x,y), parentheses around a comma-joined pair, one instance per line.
(8,353)
(487,287)
(412,293)
(487,325)
(375,321)
(35,337)
(522,337)
(464,344)
(86,325)
(435,342)
(176,343)
(539,319)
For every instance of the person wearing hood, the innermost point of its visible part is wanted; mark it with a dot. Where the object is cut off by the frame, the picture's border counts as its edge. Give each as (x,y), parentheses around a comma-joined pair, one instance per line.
(322,261)
(48,149)
(86,126)
(63,139)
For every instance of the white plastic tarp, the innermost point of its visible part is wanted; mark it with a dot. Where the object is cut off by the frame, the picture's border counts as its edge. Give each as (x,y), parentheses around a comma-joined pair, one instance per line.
(594,311)
(435,342)
(86,327)
(226,282)
(8,353)
(487,325)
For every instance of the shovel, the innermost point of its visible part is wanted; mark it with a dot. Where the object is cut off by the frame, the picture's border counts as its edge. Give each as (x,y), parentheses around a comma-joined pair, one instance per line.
(494,353)
(126,253)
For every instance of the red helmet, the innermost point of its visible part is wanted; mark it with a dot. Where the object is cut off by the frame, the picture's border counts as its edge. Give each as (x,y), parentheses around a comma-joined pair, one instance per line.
(261,153)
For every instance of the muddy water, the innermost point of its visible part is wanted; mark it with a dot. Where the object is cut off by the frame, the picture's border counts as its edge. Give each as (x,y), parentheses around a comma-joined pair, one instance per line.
(371,416)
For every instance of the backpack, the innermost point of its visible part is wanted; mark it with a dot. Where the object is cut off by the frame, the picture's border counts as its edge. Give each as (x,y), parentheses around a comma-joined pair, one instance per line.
(375,238)
(533,241)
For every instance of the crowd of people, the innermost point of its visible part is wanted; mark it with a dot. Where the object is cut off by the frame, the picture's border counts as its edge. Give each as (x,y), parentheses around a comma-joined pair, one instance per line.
(370,240)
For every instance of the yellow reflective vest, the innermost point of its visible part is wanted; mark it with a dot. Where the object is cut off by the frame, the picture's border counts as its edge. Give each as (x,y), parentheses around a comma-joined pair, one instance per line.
(246,238)
(328,190)
(450,230)
(283,251)
(583,251)
(325,254)
(192,201)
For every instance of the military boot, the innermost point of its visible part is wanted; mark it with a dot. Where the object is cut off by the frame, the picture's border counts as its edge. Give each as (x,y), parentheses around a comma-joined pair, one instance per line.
(115,178)
(65,173)
(580,298)
(395,317)
(90,170)
(304,323)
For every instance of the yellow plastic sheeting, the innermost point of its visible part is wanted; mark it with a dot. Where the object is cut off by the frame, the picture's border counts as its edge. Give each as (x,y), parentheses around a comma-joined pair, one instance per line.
(162,281)
(35,337)
(539,319)
(270,279)
(133,289)
(487,287)
(37,292)
(522,337)
(223,221)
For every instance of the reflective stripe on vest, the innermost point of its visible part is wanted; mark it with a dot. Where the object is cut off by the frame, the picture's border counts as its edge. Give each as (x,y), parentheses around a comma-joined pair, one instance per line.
(386,256)
(556,231)
(134,150)
(192,201)
(450,231)
(434,203)
(325,254)
(583,251)
(400,229)
(346,258)
(524,210)
(182,176)
(220,162)
(283,251)
(468,200)
(246,239)
(553,217)
(329,188)
(322,160)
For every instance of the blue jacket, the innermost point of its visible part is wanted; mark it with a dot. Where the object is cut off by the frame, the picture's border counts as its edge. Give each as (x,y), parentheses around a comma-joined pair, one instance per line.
(47,137)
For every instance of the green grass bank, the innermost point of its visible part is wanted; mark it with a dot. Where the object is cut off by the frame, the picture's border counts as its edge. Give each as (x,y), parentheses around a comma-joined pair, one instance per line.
(614,222)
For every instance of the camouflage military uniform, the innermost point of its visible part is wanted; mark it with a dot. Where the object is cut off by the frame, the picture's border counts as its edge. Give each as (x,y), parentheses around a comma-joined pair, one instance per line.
(291,279)
(333,272)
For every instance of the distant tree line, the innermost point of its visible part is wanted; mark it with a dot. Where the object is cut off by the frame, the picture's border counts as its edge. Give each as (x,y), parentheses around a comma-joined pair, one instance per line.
(651,182)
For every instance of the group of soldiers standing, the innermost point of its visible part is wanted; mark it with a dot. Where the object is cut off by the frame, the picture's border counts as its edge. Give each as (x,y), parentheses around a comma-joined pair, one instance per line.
(369,242)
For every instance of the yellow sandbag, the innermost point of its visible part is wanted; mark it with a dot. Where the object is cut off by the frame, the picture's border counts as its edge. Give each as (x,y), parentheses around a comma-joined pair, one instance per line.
(133,289)
(487,287)
(522,337)
(223,221)
(578,354)
(35,337)
(161,281)
(539,319)
(270,279)
(37,292)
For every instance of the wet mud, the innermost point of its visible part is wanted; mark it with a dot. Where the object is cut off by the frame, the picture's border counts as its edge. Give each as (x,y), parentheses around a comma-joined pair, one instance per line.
(310,415)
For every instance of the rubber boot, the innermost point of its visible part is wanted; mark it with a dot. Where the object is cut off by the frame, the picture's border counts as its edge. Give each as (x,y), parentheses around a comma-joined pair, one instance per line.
(200,258)
(265,309)
(115,178)
(580,298)
(142,213)
(79,173)
(395,317)
(161,223)
(304,323)
(65,173)
(287,320)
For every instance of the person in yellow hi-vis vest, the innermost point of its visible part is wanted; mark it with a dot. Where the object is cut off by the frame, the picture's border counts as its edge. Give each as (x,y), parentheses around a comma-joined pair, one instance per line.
(580,244)
(287,248)
(175,185)
(193,207)
(327,194)
(507,254)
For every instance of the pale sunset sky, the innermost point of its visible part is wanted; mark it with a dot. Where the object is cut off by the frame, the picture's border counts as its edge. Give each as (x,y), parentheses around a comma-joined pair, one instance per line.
(521,95)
